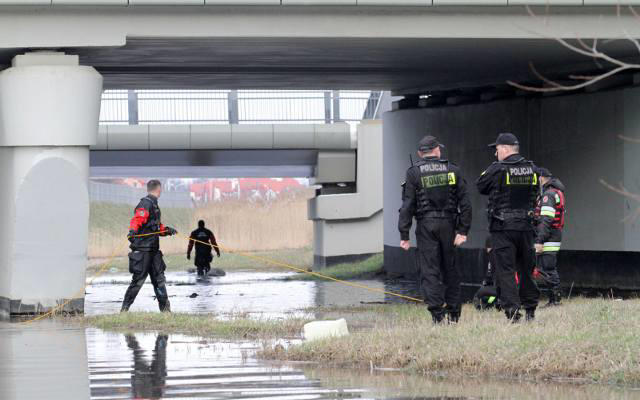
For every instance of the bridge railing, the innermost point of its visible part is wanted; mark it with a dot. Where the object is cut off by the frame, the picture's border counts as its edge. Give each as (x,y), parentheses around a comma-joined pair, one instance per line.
(166,107)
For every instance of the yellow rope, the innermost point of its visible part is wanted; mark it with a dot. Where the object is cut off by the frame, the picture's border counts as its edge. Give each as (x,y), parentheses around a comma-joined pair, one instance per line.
(293,267)
(228,250)
(81,292)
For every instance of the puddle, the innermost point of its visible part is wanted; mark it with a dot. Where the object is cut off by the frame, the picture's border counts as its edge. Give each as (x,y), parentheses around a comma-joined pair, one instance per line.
(54,361)
(263,294)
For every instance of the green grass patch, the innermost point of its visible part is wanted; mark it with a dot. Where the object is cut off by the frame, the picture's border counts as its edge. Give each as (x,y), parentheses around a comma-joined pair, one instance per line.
(235,327)
(584,340)
(362,269)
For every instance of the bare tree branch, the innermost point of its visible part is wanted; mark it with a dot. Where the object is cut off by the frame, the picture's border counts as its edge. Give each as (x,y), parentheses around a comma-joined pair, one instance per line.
(629,139)
(557,87)
(588,51)
(634,216)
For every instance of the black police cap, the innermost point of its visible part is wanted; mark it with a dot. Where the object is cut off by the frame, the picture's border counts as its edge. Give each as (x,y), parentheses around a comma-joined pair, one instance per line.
(506,139)
(429,143)
(544,172)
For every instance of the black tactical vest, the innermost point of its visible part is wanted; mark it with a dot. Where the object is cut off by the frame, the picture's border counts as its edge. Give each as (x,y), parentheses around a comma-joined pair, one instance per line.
(151,242)
(436,189)
(517,190)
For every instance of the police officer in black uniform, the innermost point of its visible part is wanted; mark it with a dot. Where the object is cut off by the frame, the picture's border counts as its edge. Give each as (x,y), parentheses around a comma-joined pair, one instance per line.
(205,242)
(435,193)
(145,258)
(512,186)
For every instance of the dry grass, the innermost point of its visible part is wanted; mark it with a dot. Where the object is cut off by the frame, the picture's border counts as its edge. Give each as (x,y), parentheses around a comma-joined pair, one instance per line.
(235,326)
(237,225)
(586,340)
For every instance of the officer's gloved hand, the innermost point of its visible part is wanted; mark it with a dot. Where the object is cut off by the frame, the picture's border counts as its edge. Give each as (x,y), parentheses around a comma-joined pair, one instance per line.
(131,234)
(188,256)
(170,231)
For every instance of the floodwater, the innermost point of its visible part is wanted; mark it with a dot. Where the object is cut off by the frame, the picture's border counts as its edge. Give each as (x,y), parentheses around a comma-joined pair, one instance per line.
(257,294)
(52,359)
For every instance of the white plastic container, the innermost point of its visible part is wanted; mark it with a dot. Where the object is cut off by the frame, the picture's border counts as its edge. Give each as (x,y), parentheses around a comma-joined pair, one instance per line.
(324,329)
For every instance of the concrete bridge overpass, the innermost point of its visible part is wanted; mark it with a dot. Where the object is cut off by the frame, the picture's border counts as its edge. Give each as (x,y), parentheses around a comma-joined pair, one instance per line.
(448,59)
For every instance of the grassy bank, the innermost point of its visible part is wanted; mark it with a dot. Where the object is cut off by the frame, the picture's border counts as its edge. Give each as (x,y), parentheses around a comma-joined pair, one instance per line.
(361,269)
(585,340)
(198,325)
(228,261)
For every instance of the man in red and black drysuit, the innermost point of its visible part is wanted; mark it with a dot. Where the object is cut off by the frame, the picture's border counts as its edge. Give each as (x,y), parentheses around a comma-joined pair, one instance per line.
(549,223)
(145,258)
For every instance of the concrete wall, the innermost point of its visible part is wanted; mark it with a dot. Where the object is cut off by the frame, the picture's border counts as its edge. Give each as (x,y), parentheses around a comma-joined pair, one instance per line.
(348,226)
(575,136)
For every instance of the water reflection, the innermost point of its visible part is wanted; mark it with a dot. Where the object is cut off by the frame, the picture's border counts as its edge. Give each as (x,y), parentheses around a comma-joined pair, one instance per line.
(148,379)
(159,366)
(51,360)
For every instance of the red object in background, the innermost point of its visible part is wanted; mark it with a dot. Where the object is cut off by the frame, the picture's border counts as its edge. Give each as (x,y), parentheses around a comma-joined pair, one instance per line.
(536,273)
(205,191)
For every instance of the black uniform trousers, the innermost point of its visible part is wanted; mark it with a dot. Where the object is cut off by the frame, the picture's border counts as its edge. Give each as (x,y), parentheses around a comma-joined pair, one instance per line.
(514,257)
(141,264)
(439,276)
(548,269)
(203,261)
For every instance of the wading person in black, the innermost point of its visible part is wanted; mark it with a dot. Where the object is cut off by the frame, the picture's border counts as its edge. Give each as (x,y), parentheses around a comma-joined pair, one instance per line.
(512,186)
(206,241)
(435,194)
(145,257)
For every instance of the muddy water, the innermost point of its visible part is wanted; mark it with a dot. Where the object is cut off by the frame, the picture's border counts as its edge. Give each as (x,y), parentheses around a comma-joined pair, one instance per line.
(51,360)
(256,294)
(56,360)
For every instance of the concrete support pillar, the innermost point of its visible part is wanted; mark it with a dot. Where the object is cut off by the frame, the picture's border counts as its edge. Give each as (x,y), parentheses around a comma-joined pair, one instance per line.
(49,110)
(348,226)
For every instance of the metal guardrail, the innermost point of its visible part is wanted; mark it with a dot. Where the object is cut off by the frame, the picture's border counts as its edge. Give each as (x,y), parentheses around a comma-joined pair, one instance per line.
(284,3)
(166,107)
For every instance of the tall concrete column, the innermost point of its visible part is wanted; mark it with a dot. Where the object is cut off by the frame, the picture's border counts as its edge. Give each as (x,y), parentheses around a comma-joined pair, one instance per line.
(49,110)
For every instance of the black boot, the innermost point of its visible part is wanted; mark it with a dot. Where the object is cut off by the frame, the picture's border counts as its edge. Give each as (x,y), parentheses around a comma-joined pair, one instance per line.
(554,299)
(530,314)
(165,306)
(453,317)
(557,297)
(513,315)
(437,317)
(125,308)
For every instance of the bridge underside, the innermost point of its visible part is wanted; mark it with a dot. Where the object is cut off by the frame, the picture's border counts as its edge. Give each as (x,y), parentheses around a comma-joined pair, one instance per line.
(204,163)
(449,63)
(402,49)
(403,65)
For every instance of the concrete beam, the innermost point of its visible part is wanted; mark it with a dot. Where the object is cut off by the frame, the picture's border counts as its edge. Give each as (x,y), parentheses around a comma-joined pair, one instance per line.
(218,137)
